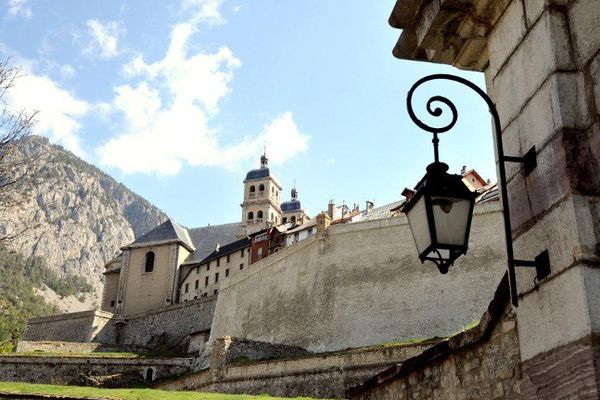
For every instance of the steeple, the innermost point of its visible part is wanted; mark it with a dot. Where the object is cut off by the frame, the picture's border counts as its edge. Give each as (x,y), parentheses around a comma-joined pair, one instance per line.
(294,193)
(264,161)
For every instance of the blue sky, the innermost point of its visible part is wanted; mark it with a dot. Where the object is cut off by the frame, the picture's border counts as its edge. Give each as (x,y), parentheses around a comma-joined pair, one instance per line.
(177,99)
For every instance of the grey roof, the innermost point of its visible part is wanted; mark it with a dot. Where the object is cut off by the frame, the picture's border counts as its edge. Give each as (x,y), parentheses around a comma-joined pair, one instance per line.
(165,232)
(489,194)
(258,173)
(206,238)
(381,212)
(292,205)
(228,249)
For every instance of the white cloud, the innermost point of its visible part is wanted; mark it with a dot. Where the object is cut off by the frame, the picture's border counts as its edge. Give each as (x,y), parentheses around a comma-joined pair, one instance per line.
(167,114)
(19,7)
(104,38)
(58,111)
(204,11)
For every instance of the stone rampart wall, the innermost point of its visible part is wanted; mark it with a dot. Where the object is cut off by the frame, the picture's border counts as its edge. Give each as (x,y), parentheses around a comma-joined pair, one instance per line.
(170,327)
(481,363)
(362,284)
(26,346)
(79,370)
(74,327)
(317,375)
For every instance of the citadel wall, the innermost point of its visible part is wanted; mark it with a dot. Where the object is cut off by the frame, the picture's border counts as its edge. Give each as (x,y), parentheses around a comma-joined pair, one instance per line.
(84,370)
(361,284)
(74,327)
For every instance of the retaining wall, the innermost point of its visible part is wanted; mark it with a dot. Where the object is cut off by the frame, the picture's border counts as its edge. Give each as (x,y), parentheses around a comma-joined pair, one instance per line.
(79,370)
(74,327)
(362,284)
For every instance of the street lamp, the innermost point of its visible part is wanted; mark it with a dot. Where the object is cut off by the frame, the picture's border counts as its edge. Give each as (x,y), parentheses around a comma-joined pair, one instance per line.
(440,212)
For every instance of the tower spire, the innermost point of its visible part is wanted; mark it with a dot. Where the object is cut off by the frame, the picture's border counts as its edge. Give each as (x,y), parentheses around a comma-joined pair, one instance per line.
(294,191)
(264,161)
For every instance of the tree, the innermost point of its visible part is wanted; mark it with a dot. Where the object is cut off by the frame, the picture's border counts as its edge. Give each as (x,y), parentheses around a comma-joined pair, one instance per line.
(13,127)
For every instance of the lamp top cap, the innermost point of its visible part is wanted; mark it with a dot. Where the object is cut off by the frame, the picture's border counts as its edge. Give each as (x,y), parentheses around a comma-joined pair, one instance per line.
(437,167)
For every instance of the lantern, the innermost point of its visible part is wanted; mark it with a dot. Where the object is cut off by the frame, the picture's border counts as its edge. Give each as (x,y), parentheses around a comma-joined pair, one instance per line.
(439,215)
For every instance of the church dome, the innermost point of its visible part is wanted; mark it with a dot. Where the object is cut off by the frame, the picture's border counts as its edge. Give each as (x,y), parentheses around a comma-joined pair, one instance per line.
(292,205)
(262,172)
(258,173)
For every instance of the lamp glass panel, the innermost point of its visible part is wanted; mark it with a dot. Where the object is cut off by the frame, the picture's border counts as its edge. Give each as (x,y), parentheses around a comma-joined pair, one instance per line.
(451,218)
(417,220)
(444,253)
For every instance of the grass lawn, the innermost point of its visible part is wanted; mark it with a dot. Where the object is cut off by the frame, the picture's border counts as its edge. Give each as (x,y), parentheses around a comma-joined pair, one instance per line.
(121,394)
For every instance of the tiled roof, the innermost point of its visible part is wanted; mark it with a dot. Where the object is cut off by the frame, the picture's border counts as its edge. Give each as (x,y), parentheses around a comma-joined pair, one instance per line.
(206,238)
(258,173)
(165,232)
(381,212)
(292,205)
(228,249)
(310,223)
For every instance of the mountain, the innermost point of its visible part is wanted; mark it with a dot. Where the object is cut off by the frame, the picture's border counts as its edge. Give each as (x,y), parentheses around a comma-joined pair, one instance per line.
(75,217)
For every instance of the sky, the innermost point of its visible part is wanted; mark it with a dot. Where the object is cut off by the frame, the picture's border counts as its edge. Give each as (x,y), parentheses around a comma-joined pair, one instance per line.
(178,99)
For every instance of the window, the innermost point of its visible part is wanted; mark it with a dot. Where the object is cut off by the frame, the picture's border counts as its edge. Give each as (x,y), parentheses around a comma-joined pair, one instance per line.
(310,231)
(241,266)
(187,287)
(216,277)
(297,236)
(208,266)
(112,303)
(196,286)
(261,187)
(242,252)
(215,292)
(227,272)
(250,216)
(149,262)
(227,257)
(259,215)
(284,220)
(205,281)
(252,189)
(293,219)
(198,269)
(259,252)
(272,217)
(218,262)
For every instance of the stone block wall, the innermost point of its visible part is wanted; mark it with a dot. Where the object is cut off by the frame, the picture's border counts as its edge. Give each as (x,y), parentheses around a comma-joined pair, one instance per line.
(170,327)
(74,327)
(323,375)
(342,289)
(481,363)
(85,370)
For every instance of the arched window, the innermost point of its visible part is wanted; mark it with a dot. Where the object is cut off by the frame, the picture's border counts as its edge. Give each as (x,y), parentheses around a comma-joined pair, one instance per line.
(261,187)
(272,190)
(259,215)
(252,189)
(149,262)
(272,217)
(250,216)
(284,220)
(293,219)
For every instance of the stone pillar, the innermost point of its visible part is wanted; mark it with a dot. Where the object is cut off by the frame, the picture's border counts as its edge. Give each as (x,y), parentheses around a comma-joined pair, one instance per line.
(542,66)
(544,76)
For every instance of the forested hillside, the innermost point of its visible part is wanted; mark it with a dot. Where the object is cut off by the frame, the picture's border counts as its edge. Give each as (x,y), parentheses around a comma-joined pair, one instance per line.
(74,218)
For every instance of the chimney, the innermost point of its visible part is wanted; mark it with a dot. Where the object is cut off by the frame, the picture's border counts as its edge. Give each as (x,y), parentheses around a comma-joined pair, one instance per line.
(369,206)
(408,193)
(217,246)
(331,209)
(463,170)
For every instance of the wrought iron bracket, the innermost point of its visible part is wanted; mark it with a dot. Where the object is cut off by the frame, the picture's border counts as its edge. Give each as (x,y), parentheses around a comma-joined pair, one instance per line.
(529,161)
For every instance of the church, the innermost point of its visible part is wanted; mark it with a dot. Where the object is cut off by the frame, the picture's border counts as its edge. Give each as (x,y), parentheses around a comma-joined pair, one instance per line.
(172,264)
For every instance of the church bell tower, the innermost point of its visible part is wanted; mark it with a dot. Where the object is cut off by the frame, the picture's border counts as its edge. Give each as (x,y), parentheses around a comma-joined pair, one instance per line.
(261,206)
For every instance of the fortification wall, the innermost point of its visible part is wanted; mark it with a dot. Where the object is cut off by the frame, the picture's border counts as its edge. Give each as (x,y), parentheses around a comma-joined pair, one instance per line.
(169,327)
(325,375)
(74,327)
(362,284)
(87,370)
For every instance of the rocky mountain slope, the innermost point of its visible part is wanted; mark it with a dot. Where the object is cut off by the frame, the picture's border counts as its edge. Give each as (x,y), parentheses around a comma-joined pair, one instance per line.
(77,217)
